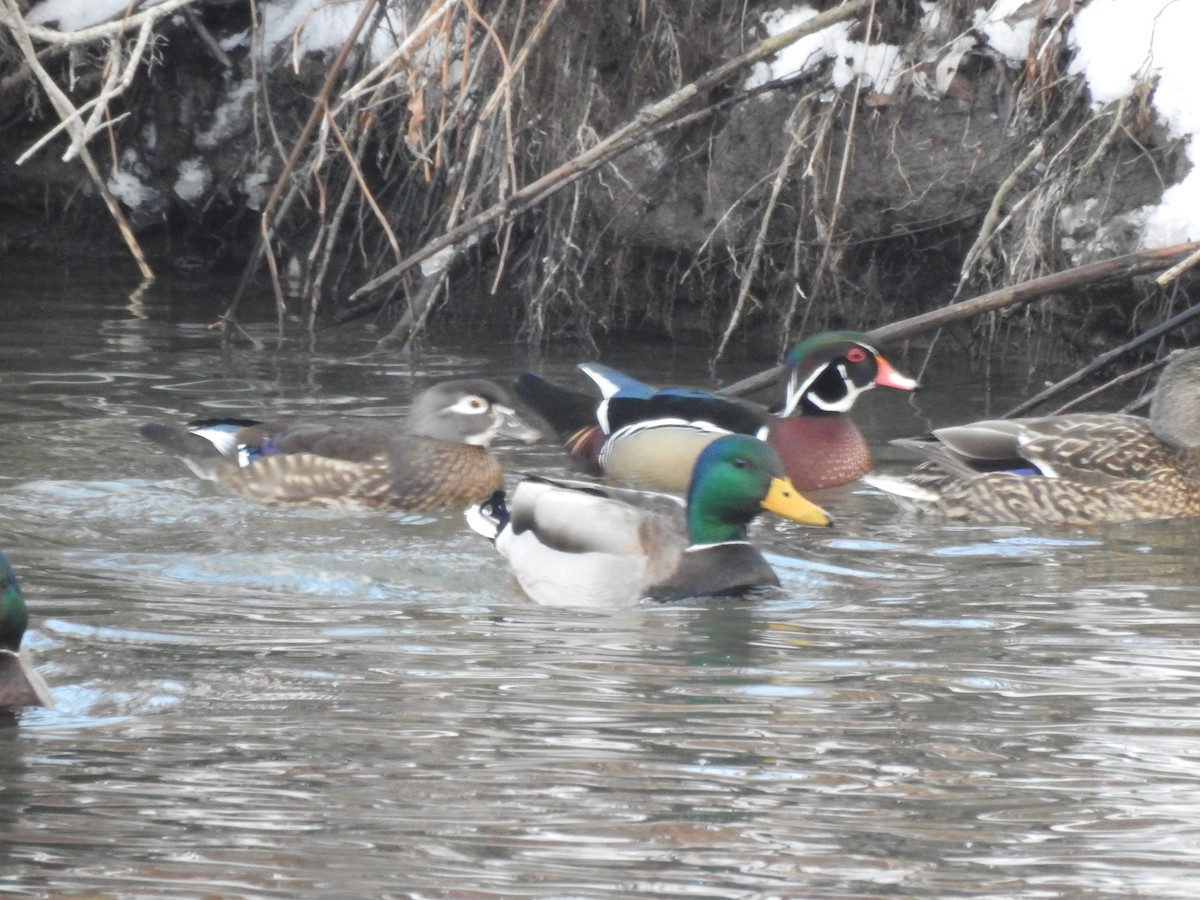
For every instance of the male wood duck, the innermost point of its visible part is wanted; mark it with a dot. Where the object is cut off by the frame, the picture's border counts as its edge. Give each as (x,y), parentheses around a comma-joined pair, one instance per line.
(572,543)
(20,683)
(438,457)
(1075,469)
(651,437)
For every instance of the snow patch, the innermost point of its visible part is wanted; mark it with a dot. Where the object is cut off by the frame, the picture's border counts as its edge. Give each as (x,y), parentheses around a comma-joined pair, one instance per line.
(443,258)
(194,179)
(128,187)
(1081,229)
(1008,27)
(1117,45)
(256,188)
(230,117)
(1121,43)
(72,15)
(875,62)
(881,65)
(314,26)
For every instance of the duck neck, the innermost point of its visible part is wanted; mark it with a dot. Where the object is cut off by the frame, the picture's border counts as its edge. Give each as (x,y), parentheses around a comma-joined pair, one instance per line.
(13,615)
(713,520)
(828,391)
(1174,412)
(704,529)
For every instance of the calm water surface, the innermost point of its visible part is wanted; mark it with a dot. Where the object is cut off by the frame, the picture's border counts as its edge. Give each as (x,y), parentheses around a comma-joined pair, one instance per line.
(259,702)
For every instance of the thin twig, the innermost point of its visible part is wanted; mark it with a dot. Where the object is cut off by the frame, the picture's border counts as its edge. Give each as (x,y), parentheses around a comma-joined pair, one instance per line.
(1102,147)
(114,86)
(781,175)
(1104,359)
(1110,384)
(207,39)
(1178,269)
(65,109)
(317,272)
(352,161)
(847,149)
(992,217)
(398,58)
(500,100)
(620,141)
(315,116)
(16,22)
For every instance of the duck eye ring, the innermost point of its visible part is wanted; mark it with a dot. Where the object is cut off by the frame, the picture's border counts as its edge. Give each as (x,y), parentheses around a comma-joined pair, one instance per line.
(856,355)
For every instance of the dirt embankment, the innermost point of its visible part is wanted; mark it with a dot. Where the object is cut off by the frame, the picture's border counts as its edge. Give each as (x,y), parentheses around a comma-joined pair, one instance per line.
(751,212)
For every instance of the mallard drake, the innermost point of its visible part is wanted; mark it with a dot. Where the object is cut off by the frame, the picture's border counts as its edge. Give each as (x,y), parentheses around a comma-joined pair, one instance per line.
(438,456)
(650,437)
(581,544)
(1074,469)
(20,683)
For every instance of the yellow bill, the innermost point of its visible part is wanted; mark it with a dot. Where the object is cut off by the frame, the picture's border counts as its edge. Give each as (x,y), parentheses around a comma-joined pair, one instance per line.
(784,500)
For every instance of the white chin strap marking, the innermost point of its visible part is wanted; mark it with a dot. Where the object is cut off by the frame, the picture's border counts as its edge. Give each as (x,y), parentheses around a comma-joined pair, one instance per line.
(842,405)
(602,416)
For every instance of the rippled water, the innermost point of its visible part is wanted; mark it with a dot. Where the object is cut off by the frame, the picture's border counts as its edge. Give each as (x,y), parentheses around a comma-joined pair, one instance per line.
(262,702)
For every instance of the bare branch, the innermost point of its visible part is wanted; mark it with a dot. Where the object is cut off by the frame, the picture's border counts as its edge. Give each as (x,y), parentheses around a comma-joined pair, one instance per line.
(620,141)
(1080,276)
(66,111)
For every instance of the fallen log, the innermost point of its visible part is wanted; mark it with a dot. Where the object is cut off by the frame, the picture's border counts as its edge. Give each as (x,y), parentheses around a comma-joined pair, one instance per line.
(1125,266)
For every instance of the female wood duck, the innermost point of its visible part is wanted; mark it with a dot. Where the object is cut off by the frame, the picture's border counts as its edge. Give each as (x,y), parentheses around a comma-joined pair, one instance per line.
(651,437)
(20,684)
(580,544)
(438,457)
(1076,469)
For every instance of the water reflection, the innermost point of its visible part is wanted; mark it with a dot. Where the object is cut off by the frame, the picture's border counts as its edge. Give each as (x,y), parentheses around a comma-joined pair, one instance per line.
(265,702)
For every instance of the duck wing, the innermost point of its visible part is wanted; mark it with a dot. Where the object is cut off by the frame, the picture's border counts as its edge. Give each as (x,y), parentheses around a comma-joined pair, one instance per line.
(579,544)
(1083,447)
(1094,449)
(582,517)
(629,402)
(352,442)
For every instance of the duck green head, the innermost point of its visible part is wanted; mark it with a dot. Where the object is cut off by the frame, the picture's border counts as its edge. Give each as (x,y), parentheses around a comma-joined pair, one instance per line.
(827,372)
(735,478)
(13,615)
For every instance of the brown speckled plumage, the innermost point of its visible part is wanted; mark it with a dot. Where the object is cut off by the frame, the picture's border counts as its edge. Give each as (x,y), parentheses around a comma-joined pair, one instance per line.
(414,474)
(438,458)
(1088,468)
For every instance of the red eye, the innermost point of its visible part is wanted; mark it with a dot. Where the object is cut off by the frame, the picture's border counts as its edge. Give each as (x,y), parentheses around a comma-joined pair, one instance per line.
(856,354)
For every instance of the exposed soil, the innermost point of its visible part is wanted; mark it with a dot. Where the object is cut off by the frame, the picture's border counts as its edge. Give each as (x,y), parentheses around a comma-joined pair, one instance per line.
(658,239)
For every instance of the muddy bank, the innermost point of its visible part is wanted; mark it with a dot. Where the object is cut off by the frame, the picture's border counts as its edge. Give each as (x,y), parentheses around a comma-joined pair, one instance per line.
(756,211)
